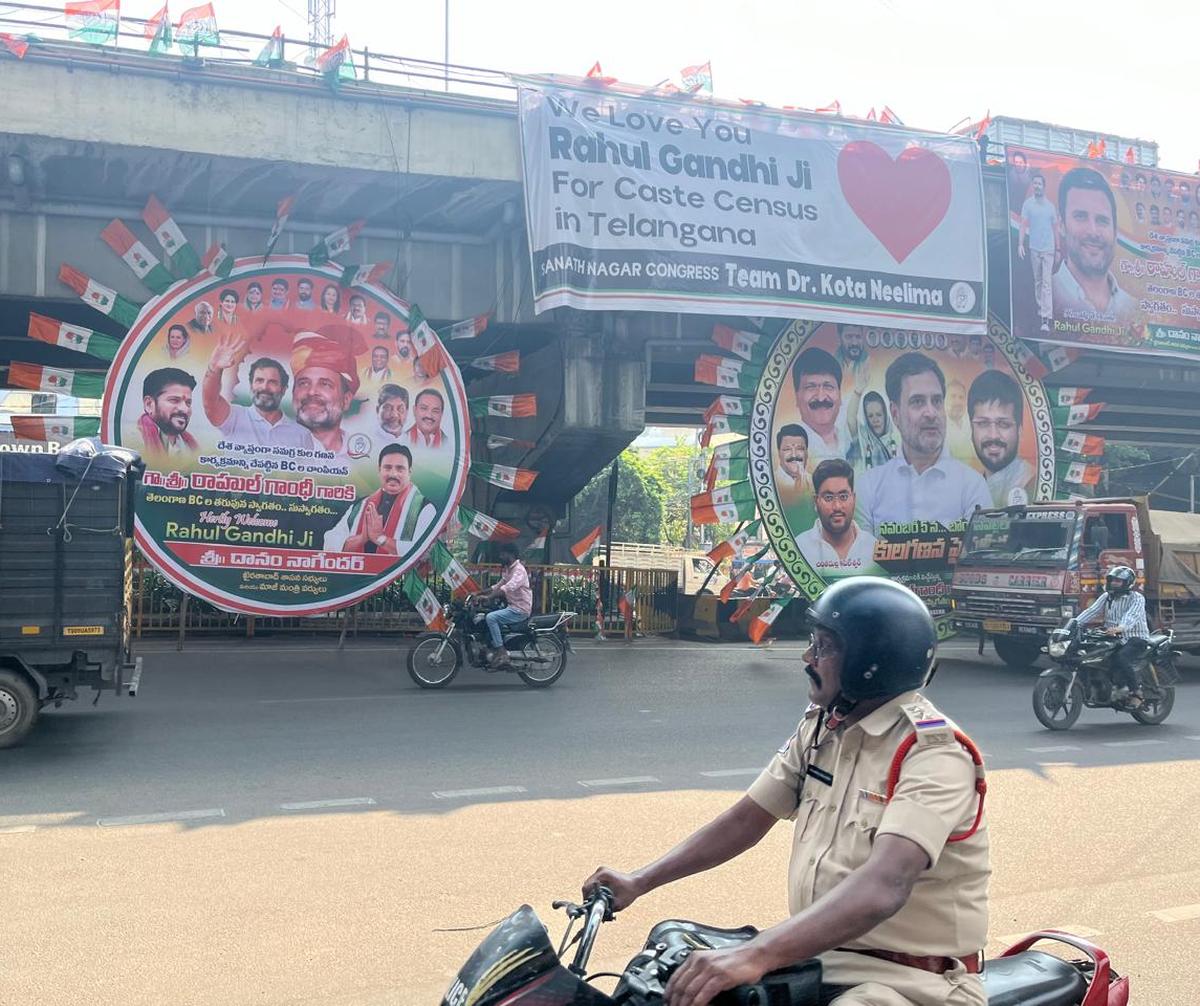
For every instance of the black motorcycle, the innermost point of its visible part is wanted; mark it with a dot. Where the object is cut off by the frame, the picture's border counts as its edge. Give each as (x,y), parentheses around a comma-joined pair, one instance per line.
(1084,677)
(537,648)
(518,965)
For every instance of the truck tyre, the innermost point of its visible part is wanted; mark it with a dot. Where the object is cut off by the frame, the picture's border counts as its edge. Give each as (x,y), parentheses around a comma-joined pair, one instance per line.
(18,708)
(1017,653)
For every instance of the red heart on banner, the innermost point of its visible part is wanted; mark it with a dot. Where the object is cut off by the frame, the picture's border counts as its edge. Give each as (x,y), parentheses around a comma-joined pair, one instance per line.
(900,200)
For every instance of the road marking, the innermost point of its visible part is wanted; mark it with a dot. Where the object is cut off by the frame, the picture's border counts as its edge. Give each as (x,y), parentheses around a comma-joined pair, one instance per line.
(350,801)
(626,781)
(329,698)
(1180,914)
(1191,737)
(1131,744)
(168,818)
(18,829)
(458,794)
(722,773)
(1051,748)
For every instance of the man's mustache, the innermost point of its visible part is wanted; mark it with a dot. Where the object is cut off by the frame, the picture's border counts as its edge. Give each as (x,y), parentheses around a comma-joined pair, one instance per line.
(993,443)
(821,403)
(812,673)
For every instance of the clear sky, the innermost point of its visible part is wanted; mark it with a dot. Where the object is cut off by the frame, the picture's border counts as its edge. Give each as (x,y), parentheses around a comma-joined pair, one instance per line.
(1090,64)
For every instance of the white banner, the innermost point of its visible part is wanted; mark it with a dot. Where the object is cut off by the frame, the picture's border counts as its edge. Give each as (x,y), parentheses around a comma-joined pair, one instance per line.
(638,202)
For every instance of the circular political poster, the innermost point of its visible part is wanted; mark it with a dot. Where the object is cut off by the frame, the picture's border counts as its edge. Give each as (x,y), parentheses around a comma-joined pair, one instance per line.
(871,447)
(298,455)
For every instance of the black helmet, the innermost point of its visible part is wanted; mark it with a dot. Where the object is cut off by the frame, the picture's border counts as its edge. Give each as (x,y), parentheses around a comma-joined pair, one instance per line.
(886,635)
(1119,580)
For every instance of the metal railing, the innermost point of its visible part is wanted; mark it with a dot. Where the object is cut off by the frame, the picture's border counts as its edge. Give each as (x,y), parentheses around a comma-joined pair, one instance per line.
(375,72)
(157,607)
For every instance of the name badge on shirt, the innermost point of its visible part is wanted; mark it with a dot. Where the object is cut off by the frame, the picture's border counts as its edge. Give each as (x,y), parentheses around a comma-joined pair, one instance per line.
(819,774)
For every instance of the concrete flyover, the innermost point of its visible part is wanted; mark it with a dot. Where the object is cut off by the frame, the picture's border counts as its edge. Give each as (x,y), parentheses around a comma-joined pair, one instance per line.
(87,133)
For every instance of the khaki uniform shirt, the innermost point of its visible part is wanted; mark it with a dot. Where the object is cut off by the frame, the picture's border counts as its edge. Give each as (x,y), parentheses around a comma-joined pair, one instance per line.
(836,794)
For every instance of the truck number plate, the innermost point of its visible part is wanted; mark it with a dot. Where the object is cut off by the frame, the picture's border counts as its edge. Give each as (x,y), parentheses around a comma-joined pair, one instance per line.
(995,625)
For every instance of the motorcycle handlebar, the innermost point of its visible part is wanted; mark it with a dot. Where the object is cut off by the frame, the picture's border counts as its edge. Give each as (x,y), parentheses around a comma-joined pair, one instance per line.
(599,910)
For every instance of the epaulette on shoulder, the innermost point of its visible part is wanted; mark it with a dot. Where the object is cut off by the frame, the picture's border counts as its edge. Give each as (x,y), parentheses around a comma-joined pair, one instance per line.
(931,727)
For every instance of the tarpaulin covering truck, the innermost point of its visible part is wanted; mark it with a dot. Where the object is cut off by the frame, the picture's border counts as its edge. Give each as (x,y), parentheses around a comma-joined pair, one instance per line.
(1024,570)
(66,566)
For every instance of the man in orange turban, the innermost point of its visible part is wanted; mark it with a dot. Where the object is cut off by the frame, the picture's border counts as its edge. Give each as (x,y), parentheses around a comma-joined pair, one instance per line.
(325,378)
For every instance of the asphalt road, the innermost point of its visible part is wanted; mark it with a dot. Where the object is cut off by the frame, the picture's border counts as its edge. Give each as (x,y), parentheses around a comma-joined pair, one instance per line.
(277,822)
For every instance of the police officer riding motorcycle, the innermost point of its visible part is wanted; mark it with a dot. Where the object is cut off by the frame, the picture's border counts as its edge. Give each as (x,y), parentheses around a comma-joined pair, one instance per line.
(887,886)
(889,866)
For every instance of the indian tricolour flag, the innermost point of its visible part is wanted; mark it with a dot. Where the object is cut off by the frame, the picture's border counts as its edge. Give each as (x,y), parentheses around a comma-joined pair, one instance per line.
(585,544)
(725,405)
(335,243)
(468,329)
(94,21)
(721,425)
(137,256)
(55,427)
(1080,473)
(509,362)
(218,261)
(761,623)
(504,476)
(723,468)
(159,32)
(1075,415)
(751,346)
(482,526)
(1066,397)
(509,406)
(430,352)
(453,572)
(732,547)
(55,380)
(76,337)
(184,260)
(363,275)
(198,26)
(103,298)
(425,601)
(1086,444)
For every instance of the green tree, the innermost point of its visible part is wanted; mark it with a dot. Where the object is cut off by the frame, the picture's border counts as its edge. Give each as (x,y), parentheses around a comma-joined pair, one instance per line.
(638,511)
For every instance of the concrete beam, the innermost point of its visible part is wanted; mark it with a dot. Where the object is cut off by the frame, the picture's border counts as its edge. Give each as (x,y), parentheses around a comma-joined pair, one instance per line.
(242,115)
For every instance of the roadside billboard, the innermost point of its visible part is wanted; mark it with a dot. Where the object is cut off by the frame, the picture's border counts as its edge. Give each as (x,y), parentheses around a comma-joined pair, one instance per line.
(637,201)
(870,448)
(1104,253)
(297,456)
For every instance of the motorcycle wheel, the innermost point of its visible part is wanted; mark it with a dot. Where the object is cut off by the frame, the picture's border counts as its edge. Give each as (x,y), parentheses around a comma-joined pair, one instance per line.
(1053,706)
(552,661)
(426,667)
(1156,706)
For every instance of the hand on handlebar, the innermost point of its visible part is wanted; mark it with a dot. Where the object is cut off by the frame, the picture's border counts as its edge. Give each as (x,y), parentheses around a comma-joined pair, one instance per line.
(707,973)
(625,888)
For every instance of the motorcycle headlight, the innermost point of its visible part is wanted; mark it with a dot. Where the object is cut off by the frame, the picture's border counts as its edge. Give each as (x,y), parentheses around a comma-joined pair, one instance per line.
(1058,647)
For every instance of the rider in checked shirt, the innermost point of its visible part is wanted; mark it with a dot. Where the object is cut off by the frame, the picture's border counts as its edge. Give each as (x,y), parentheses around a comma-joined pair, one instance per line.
(1124,611)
